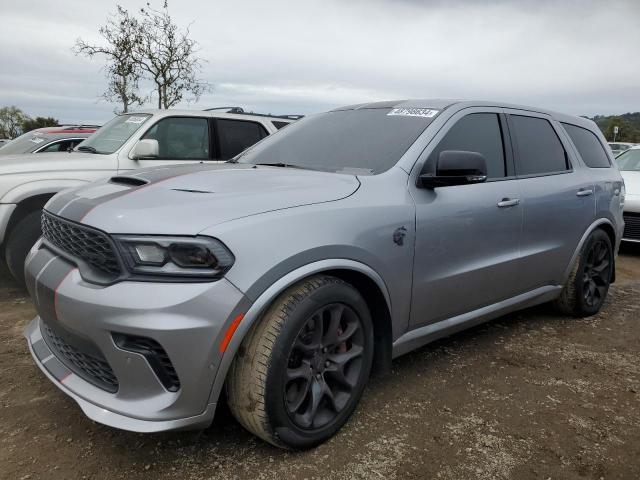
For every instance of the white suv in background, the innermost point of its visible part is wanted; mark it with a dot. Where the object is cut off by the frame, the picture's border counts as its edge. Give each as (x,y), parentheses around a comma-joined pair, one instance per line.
(129,141)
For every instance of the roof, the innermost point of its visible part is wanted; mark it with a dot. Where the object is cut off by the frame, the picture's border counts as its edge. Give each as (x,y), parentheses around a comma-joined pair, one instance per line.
(441,104)
(68,129)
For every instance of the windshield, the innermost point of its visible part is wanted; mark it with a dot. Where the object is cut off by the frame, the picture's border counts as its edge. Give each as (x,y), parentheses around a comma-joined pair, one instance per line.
(629,161)
(25,143)
(112,136)
(365,141)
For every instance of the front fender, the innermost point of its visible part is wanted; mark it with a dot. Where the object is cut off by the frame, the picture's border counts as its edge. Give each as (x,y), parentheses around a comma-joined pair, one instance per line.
(39,187)
(256,310)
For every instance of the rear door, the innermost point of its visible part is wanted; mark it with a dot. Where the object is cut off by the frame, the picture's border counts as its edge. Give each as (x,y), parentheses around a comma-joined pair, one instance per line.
(557,196)
(467,236)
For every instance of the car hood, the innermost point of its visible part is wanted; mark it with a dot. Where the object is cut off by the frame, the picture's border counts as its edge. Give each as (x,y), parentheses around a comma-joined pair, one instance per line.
(187,199)
(631,182)
(54,161)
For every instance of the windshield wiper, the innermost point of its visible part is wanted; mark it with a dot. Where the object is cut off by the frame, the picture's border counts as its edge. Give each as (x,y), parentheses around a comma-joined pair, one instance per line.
(85,148)
(284,165)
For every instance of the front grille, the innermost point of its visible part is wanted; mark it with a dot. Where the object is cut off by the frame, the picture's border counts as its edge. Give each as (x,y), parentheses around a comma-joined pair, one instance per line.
(631,226)
(81,242)
(156,356)
(91,367)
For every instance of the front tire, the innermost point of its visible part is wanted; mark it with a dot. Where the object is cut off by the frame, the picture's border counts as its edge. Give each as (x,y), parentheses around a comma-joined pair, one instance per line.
(301,371)
(23,236)
(586,289)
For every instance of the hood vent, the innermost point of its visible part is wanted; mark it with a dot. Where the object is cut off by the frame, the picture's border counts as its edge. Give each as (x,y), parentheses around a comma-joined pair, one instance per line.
(130,181)
(190,190)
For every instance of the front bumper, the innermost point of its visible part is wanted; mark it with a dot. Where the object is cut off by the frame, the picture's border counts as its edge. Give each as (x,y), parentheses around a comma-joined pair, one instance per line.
(187,320)
(631,216)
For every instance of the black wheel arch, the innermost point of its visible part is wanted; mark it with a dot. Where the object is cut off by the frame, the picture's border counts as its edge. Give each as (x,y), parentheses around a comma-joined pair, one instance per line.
(380,315)
(25,207)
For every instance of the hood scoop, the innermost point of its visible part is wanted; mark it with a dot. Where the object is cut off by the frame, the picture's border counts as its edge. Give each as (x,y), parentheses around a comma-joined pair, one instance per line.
(129,181)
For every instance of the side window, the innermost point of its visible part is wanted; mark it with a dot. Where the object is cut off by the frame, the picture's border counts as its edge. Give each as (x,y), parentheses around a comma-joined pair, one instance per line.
(237,135)
(279,125)
(539,150)
(181,138)
(477,132)
(54,147)
(588,145)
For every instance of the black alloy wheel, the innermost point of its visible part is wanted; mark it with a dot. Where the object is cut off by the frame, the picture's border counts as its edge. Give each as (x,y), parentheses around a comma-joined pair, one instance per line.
(324,366)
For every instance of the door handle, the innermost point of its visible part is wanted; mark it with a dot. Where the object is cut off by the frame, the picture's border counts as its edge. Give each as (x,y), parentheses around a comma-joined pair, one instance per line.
(508,202)
(584,192)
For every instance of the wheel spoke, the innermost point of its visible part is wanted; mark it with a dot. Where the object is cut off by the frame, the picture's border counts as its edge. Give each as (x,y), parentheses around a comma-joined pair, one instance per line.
(343,358)
(316,392)
(330,337)
(300,395)
(303,371)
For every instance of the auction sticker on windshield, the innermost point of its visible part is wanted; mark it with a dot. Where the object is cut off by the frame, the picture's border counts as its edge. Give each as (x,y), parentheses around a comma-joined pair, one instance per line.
(413,112)
(136,119)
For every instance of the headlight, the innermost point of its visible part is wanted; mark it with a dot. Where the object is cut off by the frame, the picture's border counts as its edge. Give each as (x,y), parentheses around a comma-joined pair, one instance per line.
(189,257)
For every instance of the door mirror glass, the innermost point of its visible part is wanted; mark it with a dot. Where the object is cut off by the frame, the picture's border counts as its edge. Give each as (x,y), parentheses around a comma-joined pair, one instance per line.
(146,148)
(455,167)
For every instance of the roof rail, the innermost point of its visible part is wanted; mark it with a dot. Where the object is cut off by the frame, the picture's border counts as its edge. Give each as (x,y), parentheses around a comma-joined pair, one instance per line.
(75,125)
(240,110)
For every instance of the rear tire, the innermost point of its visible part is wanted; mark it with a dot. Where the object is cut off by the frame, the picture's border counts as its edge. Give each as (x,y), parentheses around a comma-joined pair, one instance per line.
(301,371)
(586,289)
(23,236)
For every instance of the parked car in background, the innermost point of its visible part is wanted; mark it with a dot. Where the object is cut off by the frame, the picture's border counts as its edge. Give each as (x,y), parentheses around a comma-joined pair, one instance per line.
(629,164)
(49,139)
(130,141)
(347,239)
(619,147)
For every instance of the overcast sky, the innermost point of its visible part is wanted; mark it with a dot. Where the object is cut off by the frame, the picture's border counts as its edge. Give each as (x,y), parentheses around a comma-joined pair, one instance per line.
(580,57)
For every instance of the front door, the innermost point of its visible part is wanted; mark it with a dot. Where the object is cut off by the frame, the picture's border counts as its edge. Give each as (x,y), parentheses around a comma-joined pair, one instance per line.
(467,236)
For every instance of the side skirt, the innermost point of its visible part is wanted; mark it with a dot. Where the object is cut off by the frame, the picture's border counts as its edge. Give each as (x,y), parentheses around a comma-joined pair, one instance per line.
(421,336)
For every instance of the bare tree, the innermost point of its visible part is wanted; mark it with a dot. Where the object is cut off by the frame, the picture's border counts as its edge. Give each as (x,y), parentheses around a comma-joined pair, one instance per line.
(122,34)
(168,57)
(11,120)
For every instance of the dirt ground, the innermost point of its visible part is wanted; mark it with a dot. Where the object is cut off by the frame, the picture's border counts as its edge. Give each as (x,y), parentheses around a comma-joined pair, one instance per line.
(532,395)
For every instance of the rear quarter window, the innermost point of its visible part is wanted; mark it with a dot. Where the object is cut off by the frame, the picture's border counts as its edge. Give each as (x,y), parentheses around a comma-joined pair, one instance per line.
(589,147)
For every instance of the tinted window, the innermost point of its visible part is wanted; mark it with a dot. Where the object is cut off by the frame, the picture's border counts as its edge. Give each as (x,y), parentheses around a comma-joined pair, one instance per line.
(478,132)
(365,141)
(539,149)
(588,145)
(181,138)
(279,125)
(236,135)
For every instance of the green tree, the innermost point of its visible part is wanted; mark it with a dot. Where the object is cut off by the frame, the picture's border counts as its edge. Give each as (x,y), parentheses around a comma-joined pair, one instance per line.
(627,132)
(11,119)
(39,122)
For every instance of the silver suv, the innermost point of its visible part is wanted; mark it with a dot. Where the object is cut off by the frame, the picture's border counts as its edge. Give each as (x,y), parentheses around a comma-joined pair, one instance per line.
(328,249)
(130,141)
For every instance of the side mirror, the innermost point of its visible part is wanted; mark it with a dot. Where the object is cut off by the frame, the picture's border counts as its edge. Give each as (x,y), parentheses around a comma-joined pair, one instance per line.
(146,148)
(455,167)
